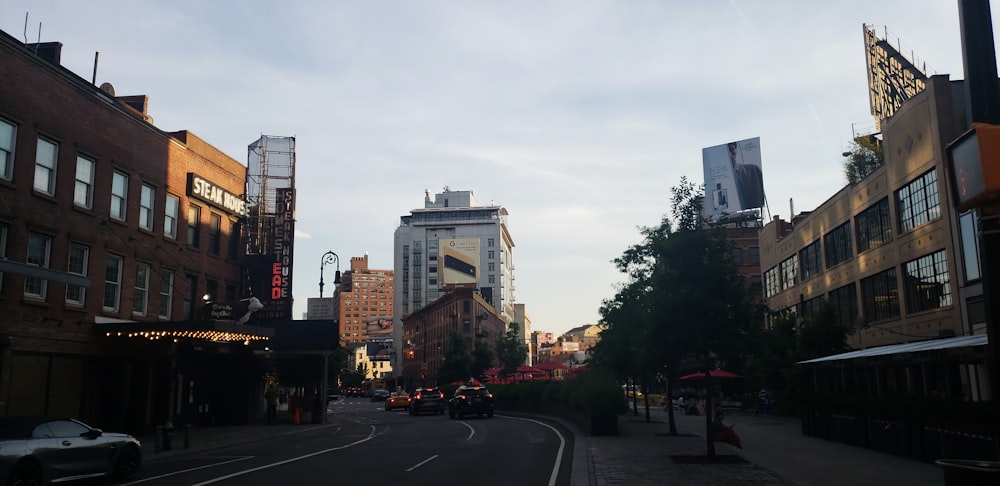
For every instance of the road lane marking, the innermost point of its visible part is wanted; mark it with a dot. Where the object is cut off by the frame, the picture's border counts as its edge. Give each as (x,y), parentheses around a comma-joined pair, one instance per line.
(472,431)
(559,453)
(143,480)
(421,463)
(371,435)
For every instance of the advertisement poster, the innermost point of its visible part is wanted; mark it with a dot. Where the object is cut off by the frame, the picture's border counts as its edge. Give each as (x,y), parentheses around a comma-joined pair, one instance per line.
(734,180)
(458,261)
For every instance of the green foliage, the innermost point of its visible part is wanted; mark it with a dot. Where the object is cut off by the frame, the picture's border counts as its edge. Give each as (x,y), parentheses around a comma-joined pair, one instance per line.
(592,393)
(511,350)
(862,158)
(457,360)
(482,358)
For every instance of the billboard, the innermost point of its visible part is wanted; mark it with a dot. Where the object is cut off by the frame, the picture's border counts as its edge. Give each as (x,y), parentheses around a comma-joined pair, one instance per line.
(320,308)
(458,261)
(734,181)
(376,327)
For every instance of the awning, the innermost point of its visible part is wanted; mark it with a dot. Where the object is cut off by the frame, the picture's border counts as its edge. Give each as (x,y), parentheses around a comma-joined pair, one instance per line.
(914,347)
(206,330)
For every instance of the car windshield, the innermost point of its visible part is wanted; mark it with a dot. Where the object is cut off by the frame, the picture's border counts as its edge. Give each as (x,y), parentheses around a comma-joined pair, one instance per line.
(474,392)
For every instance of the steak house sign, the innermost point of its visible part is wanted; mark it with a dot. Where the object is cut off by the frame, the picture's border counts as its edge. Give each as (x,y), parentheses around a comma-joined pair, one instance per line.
(200,188)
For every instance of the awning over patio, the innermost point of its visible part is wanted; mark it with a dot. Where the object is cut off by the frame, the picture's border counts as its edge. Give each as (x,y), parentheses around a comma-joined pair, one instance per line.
(955,344)
(206,330)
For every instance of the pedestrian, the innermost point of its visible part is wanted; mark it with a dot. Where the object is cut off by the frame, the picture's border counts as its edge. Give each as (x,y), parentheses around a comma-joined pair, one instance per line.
(724,433)
(271,396)
(763,400)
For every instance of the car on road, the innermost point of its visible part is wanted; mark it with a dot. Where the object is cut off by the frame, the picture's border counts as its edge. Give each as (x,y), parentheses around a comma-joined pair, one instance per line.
(380,394)
(397,400)
(42,450)
(471,400)
(428,399)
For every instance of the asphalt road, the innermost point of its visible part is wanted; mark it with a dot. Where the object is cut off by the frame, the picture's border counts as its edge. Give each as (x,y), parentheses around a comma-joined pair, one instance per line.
(364,444)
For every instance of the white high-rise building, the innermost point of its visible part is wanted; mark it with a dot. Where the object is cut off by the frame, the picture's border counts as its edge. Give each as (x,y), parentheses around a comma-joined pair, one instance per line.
(452,242)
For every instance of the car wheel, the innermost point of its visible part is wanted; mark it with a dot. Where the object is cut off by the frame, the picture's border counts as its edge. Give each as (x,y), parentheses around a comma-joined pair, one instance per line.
(489,414)
(26,473)
(127,466)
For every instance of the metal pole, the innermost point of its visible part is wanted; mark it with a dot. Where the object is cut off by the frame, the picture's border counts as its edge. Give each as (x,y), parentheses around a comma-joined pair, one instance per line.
(326,373)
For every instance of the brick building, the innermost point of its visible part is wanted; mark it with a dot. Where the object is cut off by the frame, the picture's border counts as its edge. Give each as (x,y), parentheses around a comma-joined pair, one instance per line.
(112,231)
(363,304)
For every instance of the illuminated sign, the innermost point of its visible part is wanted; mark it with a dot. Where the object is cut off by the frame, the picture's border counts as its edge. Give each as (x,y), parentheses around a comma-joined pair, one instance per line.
(200,188)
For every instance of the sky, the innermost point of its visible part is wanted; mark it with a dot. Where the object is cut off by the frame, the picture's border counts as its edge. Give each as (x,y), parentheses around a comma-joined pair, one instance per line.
(577,116)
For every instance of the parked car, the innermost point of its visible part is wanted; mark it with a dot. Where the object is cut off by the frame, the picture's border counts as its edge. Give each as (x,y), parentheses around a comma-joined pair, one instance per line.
(41,450)
(429,399)
(397,400)
(380,394)
(471,400)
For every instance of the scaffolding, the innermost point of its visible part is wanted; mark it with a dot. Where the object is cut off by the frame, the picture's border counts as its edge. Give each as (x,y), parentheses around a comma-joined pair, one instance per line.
(270,170)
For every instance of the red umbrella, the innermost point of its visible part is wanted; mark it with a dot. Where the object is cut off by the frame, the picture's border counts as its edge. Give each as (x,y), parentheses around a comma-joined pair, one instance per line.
(551,365)
(714,373)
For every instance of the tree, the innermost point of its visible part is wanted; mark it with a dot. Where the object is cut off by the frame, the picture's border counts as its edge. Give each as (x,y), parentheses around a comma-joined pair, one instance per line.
(457,360)
(863,156)
(482,358)
(511,350)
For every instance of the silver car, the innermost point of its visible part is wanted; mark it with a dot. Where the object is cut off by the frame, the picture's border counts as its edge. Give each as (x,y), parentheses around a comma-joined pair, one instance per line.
(40,450)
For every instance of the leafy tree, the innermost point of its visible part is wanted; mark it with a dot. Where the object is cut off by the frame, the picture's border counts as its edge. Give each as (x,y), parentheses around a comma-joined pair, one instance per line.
(511,350)
(863,156)
(457,360)
(482,358)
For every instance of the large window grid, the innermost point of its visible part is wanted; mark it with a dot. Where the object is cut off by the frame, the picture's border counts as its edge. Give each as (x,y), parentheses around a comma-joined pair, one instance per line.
(79,256)
(927,283)
(837,245)
(874,226)
(811,260)
(45,167)
(8,135)
(772,284)
(845,300)
(880,296)
(917,202)
(83,190)
(39,247)
(789,269)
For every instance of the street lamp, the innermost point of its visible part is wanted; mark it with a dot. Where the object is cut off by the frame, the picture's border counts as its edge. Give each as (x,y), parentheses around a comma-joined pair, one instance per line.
(328,258)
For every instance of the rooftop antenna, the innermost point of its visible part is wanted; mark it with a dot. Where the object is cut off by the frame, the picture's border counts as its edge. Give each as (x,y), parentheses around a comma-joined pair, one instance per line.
(25,34)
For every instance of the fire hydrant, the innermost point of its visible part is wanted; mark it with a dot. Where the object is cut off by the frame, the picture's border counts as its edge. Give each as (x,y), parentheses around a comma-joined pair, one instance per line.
(168,435)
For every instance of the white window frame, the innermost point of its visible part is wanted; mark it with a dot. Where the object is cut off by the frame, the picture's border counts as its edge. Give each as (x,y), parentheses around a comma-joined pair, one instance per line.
(166,293)
(119,195)
(140,296)
(45,167)
(83,189)
(77,266)
(147,200)
(36,287)
(171,206)
(8,140)
(113,284)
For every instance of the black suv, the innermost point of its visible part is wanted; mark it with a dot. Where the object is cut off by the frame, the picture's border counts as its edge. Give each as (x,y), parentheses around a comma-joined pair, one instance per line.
(470,400)
(427,400)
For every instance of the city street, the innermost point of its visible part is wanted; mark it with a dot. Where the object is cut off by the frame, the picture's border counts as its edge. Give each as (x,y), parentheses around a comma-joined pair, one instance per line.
(364,443)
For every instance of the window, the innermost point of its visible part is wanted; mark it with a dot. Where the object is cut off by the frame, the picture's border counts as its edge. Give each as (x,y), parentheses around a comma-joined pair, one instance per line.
(789,272)
(845,300)
(880,296)
(917,202)
(170,216)
(45,167)
(194,225)
(837,244)
(926,282)
(112,283)
(771,283)
(754,255)
(811,261)
(214,234)
(970,245)
(189,299)
(38,255)
(491,254)
(3,247)
(166,293)
(490,243)
(83,191)
(119,194)
(874,227)
(212,289)
(79,255)
(235,231)
(737,255)
(807,309)
(146,198)
(140,297)
(8,133)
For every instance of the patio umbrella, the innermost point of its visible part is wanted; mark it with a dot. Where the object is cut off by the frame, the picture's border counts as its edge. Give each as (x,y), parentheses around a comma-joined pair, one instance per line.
(714,373)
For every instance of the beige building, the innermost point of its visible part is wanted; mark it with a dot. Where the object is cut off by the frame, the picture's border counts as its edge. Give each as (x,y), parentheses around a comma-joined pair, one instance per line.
(887,250)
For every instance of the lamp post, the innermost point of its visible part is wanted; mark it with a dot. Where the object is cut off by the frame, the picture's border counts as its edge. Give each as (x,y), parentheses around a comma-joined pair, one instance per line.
(328,258)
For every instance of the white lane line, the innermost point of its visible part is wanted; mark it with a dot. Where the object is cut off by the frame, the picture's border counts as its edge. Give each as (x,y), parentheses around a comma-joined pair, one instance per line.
(143,480)
(472,431)
(421,463)
(559,453)
(371,435)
